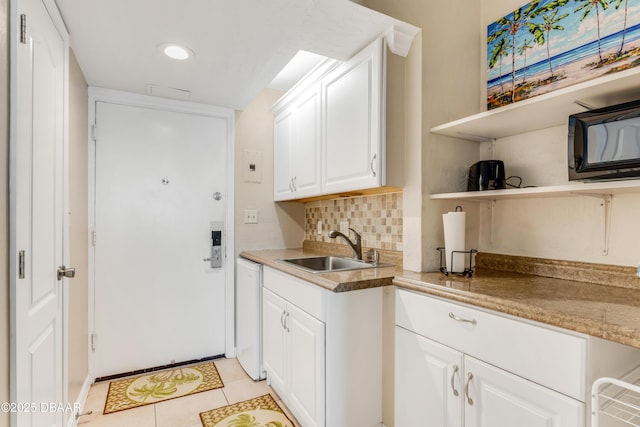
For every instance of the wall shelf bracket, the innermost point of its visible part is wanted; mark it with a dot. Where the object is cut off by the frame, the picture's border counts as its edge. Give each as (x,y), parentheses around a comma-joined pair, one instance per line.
(492,207)
(605,217)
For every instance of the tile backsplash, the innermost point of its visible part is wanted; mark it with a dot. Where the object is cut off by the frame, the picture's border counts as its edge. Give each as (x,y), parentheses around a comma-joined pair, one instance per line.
(378,218)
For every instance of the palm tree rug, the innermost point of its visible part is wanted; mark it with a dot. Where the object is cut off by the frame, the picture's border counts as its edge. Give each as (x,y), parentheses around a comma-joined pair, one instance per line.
(262,411)
(161,385)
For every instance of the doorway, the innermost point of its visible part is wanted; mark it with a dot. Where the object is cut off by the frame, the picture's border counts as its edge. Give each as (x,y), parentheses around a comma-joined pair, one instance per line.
(163,178)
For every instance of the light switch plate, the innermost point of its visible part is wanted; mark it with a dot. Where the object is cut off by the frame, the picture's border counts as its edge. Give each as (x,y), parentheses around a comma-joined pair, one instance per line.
(250,216)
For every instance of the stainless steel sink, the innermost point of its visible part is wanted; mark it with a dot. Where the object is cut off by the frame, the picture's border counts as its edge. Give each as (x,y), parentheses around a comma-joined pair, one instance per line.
(325,264)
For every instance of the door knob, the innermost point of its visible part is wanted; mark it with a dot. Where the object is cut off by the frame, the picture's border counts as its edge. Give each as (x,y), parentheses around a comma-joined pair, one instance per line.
(66,272)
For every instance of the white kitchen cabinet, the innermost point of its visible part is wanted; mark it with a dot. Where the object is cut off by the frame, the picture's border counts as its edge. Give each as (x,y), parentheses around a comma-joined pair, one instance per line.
(428,382)
(496,398)
(297,148)
(476,368)
(322,351)
(354,122)
(439,386)
(274,357)
(294,357)
(330,133)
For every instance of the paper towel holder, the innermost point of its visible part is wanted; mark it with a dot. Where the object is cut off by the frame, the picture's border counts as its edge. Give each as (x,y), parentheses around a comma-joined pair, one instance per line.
(466,272)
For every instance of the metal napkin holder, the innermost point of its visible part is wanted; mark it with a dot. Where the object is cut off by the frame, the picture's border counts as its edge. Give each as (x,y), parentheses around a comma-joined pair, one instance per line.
(466,272)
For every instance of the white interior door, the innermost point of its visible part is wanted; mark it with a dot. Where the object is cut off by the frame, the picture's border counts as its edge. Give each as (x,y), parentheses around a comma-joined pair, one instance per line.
(38,218)
(156,300)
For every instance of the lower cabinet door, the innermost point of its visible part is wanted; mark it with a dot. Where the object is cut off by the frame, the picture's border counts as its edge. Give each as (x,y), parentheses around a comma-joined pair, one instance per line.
(496,398)
(273,339)
(306,349)
(428,382)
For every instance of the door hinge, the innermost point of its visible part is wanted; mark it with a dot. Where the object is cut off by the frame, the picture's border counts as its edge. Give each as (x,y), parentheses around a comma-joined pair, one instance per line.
(94,339)
(23,29)
(94,132)
(21,265)
(93,237)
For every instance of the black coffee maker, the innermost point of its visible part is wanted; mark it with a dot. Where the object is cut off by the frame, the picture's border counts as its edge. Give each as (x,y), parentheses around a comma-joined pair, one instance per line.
(486,175)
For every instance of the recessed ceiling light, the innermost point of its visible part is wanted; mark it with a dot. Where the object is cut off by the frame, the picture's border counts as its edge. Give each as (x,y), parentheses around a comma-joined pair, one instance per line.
(175,51)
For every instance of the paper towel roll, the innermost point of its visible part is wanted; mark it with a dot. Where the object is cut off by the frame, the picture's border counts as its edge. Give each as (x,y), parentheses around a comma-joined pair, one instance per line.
(454,223)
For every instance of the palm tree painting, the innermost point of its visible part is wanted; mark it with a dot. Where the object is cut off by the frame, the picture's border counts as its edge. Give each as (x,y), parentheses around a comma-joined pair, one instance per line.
(550,44)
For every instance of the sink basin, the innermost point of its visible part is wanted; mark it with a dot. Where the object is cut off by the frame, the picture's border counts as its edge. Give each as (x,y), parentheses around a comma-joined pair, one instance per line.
(325,264)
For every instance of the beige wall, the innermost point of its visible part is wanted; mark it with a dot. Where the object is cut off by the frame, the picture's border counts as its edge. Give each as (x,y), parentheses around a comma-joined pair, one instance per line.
(4,210)
(279,225)
(78,230)
(448,49)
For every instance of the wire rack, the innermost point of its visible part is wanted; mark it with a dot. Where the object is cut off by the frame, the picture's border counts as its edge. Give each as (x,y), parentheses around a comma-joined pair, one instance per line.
(615,399)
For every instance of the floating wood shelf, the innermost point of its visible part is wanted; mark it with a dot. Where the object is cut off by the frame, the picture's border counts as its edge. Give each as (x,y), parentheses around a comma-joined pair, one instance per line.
(544,111)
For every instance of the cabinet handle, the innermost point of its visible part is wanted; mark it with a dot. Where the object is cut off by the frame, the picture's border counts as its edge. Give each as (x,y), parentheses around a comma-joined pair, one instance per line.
(295,186)
(460,319)
(282,319)
(371,165)
(466,388)
(291,185)
(453,375)
(286,322)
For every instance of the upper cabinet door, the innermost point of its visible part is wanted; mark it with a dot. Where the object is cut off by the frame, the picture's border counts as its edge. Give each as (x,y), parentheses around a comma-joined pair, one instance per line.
(353,127)
(283,128)
(297,154)
(306,149)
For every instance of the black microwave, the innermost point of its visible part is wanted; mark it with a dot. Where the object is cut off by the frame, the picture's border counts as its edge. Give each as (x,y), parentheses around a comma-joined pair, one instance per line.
(605,143)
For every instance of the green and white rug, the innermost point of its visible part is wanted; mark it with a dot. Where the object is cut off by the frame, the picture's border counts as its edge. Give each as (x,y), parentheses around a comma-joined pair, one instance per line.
(262,411)
(161,385)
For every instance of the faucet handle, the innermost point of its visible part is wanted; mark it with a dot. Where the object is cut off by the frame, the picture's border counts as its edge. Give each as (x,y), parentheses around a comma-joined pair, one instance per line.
(358,236)
(373,257)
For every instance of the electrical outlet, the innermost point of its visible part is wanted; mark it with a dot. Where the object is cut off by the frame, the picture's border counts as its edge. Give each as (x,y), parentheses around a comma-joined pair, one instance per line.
(344,227)
(250,216)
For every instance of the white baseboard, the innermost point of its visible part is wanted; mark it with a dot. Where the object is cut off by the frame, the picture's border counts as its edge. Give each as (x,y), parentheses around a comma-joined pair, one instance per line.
(82,399)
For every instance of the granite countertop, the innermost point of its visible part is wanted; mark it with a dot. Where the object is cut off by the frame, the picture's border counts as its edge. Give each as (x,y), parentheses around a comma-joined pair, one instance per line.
(339,281)
(608,312)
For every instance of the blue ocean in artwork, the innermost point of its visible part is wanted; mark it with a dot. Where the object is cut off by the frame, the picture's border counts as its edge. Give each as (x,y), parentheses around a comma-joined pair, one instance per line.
(565,58)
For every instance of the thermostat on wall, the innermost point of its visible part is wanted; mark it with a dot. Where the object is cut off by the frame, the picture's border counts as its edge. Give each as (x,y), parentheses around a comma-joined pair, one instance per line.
(252,166)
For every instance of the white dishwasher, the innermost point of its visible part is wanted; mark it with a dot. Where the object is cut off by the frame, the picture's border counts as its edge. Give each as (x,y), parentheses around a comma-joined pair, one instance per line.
(249,317)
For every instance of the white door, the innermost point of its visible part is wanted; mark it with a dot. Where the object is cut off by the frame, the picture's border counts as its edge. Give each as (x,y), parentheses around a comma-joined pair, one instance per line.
(156,300)
(429,382)
(38,218)
(500,399)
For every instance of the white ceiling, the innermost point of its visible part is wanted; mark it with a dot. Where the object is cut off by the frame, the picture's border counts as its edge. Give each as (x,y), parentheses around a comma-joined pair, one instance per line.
(239,45)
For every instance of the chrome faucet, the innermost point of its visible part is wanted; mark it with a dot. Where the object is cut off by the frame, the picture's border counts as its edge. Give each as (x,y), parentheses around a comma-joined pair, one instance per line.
(355,247)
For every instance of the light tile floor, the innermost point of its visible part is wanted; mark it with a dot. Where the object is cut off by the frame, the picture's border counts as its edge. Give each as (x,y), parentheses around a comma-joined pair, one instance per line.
(183,411)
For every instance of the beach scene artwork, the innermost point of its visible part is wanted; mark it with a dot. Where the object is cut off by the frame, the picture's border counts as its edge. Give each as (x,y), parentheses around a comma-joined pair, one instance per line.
(546,45)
